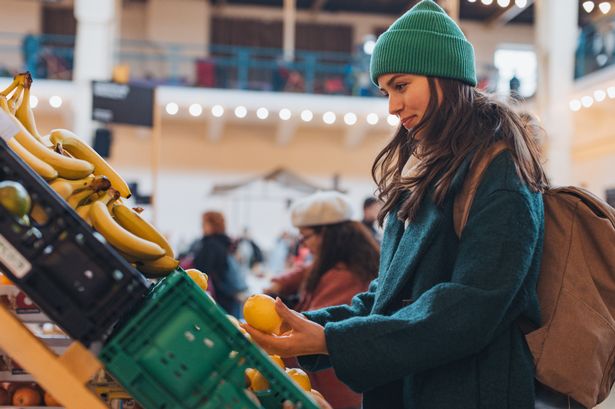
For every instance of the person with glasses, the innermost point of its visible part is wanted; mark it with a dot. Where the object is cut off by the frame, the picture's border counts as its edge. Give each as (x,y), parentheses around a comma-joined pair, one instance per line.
(345,259)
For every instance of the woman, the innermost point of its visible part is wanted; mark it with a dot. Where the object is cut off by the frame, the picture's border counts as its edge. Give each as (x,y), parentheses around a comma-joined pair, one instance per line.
(438,327)
(213,256)
(345,260)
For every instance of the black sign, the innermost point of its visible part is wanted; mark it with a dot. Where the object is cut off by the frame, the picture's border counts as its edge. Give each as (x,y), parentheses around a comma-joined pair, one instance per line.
(122,103)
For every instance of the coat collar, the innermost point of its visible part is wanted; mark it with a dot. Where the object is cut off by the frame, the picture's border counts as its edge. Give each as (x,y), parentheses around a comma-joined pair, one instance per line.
(402,249)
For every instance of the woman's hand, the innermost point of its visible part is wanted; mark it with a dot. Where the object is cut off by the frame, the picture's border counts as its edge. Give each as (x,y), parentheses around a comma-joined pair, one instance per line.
(300,336)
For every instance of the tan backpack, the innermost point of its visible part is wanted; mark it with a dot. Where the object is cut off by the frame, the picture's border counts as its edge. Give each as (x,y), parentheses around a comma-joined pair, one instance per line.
(574,349)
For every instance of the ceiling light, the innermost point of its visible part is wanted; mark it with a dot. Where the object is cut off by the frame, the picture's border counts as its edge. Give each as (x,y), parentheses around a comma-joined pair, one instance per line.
(588,6)
(329,118)
(285,114)
(471,1)
(575,105)
(217,111)
(487,2)
(611,92)
(55,101)
(350,118)
(262,113)
(307,115)
(33,101)
(195,109)
(599,95)
(393,120)
(372,119)
(241,111)
(521,3)
(604,7)
(503,3)
(172,108)
(587,101)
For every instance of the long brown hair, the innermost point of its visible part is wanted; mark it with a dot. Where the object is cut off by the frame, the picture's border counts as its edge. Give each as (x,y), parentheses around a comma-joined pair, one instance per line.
(350,243)
(466,122)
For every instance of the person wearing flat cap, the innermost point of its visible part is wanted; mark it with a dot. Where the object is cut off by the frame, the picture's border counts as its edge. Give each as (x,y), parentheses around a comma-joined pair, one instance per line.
(345,260)
(438,328)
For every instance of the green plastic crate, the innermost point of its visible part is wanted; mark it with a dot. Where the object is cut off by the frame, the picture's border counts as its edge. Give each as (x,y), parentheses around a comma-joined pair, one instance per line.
(180,351)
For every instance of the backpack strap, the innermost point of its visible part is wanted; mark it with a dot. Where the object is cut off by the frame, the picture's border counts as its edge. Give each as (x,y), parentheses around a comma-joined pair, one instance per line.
(597,205)
(465,198)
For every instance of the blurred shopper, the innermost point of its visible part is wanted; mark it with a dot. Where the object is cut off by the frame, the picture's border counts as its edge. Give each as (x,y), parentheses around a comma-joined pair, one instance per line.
(213,256)
(439,328)
(371,208)
(345,261)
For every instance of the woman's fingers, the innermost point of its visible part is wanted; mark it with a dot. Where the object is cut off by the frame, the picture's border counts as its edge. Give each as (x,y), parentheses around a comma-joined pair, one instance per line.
(290,317)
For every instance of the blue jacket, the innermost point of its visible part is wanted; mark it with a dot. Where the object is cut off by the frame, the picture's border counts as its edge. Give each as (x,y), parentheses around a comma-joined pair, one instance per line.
(437,329)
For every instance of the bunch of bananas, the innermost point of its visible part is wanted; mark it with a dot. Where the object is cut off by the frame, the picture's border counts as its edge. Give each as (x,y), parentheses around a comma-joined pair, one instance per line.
(79,175)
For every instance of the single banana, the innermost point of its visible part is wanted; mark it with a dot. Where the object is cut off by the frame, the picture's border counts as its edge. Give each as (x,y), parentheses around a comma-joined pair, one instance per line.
(24,111)
(76,184)
(107,198)
(46,171)
(15,100)
(62,187)
(80,197)
(158,268)
(134,223)
(121,238)
(81,150)
(69,168)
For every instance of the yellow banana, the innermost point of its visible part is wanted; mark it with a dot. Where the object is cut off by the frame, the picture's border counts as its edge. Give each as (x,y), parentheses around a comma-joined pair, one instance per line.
(81,150)
(76,184)
(25,115)
(108,197)
(18,80)
(79,197)
(42,168)
(159,267)
(69,168)
(134,223)
(15,100)
(121,238)
(62,187)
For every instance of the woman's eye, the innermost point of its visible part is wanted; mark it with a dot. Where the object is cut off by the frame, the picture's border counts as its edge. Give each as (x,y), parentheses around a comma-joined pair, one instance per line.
(400,87)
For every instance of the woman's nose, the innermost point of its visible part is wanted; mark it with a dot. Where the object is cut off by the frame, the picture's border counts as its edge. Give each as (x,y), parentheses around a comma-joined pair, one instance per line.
(395,105)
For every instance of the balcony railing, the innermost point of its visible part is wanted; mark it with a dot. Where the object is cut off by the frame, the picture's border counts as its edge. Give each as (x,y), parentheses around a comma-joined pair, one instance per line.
(249,68)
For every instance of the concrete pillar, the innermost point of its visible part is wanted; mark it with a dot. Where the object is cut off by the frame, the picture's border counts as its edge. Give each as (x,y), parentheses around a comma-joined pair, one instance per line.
(556,31)
(290,15)
(97,22)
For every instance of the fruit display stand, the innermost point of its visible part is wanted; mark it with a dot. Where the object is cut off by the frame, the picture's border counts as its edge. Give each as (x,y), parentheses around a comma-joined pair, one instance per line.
(180,350)
(65,375)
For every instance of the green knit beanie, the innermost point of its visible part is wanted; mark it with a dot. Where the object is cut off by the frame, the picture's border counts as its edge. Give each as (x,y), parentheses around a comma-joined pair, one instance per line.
(424,41)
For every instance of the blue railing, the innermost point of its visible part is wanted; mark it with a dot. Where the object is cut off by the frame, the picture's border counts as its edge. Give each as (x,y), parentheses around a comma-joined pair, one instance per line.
(249,68)
(595,47)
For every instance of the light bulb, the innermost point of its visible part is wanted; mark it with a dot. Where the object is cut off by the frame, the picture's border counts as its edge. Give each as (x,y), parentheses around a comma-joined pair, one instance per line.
(587,101)
(588,6)
(372,119)
(262,113)
(329,118)
(217,111)
(575,105)
(487,2)
(55,101)
(521,3)
(599,95)
(285,114)
(33,101)
(241,111)
(307,115)
(503,3)
(393,120)
(604,7)
(350,118)
(195,109)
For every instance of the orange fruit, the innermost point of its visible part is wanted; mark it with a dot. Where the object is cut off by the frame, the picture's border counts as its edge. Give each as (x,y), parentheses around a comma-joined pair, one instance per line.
(278,360)
(4,280)
(257,380)
(259,311)
(200,278)
(26,396)
(50,400)
(300,377)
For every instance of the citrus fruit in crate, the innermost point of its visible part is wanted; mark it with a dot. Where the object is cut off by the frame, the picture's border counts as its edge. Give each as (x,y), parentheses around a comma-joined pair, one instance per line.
(259,311)
(257,380)
(300,377)
(278,360)
(26,396)
(200,278)
(50,400)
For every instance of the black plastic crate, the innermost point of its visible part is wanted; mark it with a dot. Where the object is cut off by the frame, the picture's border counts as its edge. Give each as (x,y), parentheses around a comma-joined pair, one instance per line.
(65,267)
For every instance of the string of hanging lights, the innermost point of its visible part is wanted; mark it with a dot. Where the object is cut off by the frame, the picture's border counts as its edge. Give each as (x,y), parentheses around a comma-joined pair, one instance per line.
(603,6)
(502,3)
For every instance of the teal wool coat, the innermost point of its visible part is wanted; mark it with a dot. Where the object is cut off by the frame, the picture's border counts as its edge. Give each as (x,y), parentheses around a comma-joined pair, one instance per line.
(438,328)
